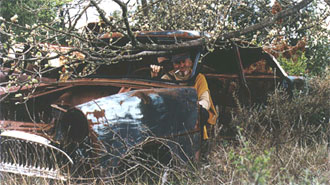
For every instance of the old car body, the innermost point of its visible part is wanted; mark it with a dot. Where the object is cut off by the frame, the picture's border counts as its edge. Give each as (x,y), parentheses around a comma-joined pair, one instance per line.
(98,121)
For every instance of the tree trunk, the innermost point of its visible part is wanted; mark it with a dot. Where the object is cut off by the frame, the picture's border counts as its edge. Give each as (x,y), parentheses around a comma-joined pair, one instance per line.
(328,2)
(145,7)
(1,39)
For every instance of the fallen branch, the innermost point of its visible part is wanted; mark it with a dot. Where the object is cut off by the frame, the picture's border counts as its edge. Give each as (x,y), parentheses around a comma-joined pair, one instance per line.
(266,22)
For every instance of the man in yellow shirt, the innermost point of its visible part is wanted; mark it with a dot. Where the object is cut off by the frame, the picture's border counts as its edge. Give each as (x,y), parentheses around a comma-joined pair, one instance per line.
(182,70)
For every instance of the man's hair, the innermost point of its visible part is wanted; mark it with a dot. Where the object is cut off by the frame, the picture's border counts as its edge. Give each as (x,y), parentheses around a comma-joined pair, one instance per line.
(180,57)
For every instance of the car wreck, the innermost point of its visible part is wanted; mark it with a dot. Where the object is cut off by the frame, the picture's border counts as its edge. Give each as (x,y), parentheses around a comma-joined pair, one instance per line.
(93,123)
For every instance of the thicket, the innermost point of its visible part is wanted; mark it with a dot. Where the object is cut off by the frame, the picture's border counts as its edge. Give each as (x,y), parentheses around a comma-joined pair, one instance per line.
(285,141)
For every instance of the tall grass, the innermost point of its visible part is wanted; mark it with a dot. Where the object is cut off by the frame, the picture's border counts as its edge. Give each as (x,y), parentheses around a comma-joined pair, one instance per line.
(285,141)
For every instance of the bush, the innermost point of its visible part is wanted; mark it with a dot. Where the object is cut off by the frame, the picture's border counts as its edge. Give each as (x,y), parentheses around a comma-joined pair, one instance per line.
(303,119)
(285,141)
(294,66)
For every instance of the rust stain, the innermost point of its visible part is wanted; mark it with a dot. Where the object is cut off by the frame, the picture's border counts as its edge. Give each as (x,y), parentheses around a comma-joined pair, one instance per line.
(97,114)
(259,67)
(36,128)
(124,89)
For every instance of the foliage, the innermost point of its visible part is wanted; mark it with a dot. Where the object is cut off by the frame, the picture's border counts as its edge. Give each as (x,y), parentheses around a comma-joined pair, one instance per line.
(207,15)
(305,119)
(30,12)
(318,52)
(250,165)
(50,21)
(301,45)
(283,142)
(297,67)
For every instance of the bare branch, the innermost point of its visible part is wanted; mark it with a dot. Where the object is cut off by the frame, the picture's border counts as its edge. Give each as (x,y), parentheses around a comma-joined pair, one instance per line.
(200,42)
(79,16)
(328,2)
(266,22)
(123,6)
(124,15)
(184,45)
(100,11)
(127,57)
(145,7)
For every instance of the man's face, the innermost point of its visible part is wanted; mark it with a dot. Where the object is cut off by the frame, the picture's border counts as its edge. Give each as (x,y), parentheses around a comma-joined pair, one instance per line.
(183,66)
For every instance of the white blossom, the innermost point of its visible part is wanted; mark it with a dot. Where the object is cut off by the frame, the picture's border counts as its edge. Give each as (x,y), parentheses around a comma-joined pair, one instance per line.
(14,18)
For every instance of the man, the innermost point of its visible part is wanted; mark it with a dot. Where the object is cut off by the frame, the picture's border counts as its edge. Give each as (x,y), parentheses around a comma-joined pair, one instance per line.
(182,70)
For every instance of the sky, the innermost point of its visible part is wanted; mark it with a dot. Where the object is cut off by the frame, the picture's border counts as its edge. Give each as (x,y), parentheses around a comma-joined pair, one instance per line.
(92,16)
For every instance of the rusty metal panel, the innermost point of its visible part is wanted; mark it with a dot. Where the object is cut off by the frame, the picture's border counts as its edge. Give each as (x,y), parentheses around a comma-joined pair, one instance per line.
(36,128)
(124,120)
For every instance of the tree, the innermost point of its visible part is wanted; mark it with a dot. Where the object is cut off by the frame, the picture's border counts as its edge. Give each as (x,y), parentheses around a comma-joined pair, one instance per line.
(252,21)
(31,12)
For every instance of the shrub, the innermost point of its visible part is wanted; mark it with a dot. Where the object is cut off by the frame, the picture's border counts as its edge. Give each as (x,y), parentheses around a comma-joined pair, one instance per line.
(285,141)
(294,66)
(303,118)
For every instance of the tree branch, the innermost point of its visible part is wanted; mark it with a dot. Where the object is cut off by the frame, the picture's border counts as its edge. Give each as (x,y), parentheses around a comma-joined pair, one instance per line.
(266,22)
(124,15)
(120,58)
(100,11)
(145,7)
(200,42)
(184,45)
(79,16)
(123,6)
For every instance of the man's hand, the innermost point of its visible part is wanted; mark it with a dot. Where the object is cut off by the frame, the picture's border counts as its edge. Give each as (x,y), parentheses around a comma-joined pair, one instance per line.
(155,70)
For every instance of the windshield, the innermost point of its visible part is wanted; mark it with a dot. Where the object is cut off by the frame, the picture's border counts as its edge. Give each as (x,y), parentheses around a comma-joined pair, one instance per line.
(142,68)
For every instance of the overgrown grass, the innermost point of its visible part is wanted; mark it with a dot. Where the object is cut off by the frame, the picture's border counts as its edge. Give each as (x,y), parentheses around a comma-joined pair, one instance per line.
(286,141)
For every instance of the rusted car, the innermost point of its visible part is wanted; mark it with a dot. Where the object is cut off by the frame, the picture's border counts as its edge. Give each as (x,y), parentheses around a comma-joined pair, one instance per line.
(92,124)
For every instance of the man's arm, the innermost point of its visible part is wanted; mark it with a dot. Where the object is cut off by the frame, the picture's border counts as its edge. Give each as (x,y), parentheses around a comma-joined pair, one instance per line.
(204,100)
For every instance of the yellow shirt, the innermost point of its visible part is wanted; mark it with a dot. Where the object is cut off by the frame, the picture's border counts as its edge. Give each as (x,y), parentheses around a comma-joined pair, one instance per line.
(201,86)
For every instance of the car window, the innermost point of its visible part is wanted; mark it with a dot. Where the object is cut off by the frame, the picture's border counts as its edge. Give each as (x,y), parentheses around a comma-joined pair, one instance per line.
(139,68)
